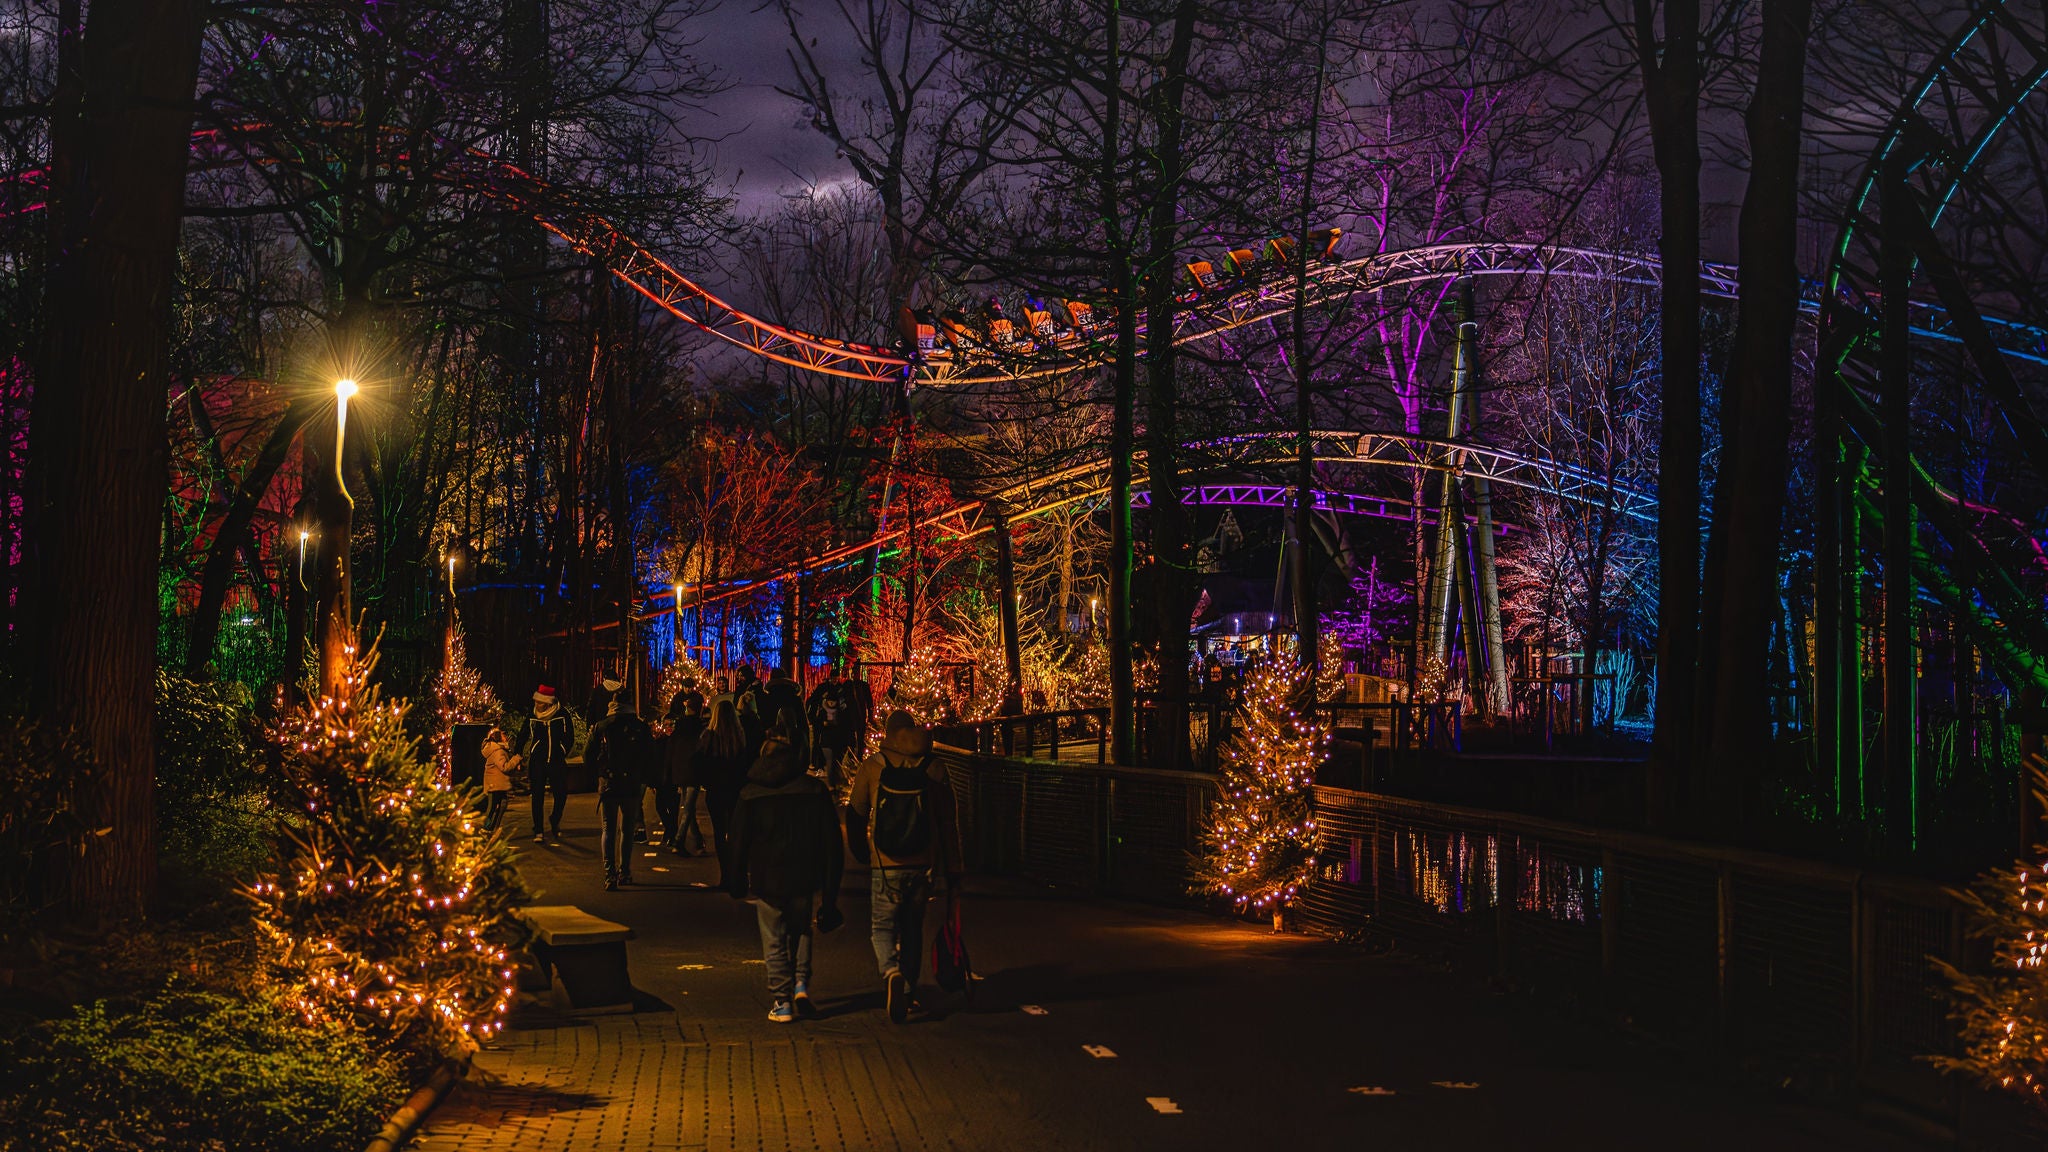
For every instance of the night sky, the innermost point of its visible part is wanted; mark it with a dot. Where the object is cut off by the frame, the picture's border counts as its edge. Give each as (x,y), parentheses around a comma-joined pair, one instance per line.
(765,152)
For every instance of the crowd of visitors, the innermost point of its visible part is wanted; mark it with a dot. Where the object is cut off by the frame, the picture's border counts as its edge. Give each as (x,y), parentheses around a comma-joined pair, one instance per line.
(790,791)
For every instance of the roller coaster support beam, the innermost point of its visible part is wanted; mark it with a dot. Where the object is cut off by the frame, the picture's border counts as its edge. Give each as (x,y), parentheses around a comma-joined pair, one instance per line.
(1900,520)
(1835,656)
(1496,695)
(1439,620)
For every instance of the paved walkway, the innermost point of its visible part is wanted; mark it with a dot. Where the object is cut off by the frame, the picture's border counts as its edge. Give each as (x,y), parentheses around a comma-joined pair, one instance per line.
(1099,1026)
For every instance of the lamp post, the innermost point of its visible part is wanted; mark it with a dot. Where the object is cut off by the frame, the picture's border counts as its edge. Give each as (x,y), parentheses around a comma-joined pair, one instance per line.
(681,651)
(334,520)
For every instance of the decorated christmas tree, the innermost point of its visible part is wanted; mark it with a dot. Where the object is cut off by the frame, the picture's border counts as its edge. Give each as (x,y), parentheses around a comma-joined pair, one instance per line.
(922,687)
(1260,843)
(460,697)
(683,674)
(386,903)
(2002,1013)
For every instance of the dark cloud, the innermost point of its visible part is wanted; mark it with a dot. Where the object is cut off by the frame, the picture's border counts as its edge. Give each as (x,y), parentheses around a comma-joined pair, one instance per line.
(763,149)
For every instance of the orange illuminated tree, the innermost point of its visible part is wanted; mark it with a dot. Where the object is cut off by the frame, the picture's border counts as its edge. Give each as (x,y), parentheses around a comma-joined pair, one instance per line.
(386,903)
(2001,1013)
(1261,839)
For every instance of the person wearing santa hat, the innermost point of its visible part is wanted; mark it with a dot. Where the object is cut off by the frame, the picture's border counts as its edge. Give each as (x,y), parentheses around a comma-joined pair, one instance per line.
(548,738)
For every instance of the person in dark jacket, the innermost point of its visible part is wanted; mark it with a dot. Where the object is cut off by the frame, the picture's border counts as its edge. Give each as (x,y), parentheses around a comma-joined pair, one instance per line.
(785,850)
(900,879)
(686,726)
(621,751)
(546,752)
(720,766)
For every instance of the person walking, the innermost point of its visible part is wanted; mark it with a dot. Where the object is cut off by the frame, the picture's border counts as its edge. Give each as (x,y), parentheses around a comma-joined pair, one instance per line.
(500,762)
(901,812)
(831,715)
(686,726)
(621,752)
(720,766)
(546,753)
(786,852)
(860,699)
(746,697)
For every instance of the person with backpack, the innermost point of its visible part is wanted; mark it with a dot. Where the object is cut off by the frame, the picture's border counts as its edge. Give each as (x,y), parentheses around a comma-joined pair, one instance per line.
(900,819)
(785,850)
(621,752)
(549,736)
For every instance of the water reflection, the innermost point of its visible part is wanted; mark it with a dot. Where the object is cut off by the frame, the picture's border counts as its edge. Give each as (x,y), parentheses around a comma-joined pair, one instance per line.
(1455,872)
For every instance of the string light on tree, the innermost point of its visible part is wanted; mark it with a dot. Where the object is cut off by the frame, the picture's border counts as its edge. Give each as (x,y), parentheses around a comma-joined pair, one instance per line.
(460,697)
(386,903)
(1261,840)
(2001,1013)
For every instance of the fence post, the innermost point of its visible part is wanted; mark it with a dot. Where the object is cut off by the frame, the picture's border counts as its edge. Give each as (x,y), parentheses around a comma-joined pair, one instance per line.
(1724,952)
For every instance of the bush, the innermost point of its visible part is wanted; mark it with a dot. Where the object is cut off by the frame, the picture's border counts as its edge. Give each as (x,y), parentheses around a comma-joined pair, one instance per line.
(192,1070)
(41,774)
(210,807)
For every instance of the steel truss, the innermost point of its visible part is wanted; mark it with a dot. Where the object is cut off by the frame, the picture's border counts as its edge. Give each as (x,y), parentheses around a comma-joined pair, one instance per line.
(1981,566)
(1250,452)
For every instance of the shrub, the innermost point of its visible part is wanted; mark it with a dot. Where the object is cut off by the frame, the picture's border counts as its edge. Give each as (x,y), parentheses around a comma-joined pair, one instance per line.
(192,1070)
(209,799)
(41,774)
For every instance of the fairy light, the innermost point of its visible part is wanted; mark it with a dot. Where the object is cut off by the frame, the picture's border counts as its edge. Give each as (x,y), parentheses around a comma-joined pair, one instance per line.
(391,906)
(2001,1012)
(1262,833)
(460,696)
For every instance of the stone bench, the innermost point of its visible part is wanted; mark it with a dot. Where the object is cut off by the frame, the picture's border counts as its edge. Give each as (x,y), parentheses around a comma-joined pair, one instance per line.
(583,957)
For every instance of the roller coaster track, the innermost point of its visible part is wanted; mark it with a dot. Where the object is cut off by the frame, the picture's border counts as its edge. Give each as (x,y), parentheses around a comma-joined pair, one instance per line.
(965,351)
(1249,453)
(1987,564)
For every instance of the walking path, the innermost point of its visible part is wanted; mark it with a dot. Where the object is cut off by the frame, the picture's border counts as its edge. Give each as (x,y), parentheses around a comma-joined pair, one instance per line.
(1099,1025)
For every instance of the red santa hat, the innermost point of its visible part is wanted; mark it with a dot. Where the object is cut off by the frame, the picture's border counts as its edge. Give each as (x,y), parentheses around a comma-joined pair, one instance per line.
(545,694)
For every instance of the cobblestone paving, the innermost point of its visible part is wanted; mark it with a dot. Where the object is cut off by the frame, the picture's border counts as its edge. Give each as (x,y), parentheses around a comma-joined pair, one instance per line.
(1099,1026)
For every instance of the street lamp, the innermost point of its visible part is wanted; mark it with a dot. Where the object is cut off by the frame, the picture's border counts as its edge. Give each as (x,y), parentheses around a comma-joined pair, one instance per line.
(344,388)
(303,534)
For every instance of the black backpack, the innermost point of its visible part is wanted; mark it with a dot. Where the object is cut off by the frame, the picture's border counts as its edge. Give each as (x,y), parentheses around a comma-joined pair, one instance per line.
(901,827)
(627,743)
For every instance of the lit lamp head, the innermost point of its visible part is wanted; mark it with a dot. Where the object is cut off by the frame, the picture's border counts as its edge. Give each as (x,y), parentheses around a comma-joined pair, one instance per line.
(345,389)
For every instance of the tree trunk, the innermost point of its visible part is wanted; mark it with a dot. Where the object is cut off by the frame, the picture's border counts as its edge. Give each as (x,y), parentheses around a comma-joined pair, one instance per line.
(1672,81)
(1756,425)
(98,431)
(1124,385)
(1170,545)
(1299,553)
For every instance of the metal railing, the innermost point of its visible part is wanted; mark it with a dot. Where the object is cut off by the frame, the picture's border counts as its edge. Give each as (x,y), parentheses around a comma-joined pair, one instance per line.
(1081,735)
(1120,831)
(1408,727)
(1821,969)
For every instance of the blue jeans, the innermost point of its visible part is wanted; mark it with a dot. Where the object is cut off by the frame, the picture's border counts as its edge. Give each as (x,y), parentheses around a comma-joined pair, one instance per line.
(785,944)
(896,899)
(620,808)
